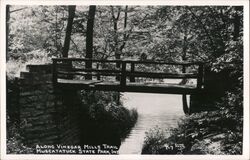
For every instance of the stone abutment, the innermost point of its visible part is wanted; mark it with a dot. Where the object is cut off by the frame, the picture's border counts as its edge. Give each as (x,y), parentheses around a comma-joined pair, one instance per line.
(47,115)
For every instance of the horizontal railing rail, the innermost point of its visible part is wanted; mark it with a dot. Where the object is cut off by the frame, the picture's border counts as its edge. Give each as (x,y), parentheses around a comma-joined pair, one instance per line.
(127,61)
(64,67)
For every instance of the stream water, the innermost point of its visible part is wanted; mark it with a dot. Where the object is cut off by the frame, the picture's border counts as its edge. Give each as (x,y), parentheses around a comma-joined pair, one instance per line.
(162,110)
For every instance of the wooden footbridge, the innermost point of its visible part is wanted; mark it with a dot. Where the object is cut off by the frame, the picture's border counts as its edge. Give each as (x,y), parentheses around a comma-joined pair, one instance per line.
(128,75)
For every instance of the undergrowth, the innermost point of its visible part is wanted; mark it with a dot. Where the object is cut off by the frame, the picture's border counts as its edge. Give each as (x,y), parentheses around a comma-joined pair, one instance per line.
(215,132)
(15,65)
(15,143)
(108,120)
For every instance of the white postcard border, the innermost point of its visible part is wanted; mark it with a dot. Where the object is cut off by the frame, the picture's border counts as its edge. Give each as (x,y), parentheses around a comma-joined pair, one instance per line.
(246,140)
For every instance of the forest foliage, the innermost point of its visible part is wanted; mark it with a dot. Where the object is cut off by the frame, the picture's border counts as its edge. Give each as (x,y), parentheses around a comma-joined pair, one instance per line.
(170,33)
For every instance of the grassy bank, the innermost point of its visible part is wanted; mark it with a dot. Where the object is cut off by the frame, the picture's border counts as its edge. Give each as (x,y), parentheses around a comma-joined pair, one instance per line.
(216,132)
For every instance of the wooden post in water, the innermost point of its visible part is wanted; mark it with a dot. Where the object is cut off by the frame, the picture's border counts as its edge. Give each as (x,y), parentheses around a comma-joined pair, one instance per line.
(184,96)
(186,110)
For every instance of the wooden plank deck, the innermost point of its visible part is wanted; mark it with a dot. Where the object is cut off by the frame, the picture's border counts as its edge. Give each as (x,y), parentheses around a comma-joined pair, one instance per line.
(130,86)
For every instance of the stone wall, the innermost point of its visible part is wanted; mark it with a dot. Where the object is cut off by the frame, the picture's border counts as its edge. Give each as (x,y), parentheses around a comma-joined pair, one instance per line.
(48,115)
(12,95)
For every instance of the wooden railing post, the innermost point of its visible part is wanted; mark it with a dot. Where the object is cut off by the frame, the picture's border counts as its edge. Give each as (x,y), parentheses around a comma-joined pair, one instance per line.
(184,80)
(69,65)
(54,71)
(132,78)
(200,76)
(88,65)
(183,69)
(123,75)
(118,66)
(97,67)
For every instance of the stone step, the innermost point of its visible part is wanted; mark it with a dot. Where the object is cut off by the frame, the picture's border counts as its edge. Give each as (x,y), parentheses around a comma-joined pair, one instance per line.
(40,68)
(35,78)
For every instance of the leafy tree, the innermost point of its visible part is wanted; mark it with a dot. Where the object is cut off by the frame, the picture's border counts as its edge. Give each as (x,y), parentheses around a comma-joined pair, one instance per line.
(27,25)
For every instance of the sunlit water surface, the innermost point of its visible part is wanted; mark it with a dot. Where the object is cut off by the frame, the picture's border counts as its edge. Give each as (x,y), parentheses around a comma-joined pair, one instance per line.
(162,110)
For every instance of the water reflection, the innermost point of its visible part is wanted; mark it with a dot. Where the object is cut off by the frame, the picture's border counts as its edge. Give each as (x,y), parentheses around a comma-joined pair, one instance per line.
(163,110)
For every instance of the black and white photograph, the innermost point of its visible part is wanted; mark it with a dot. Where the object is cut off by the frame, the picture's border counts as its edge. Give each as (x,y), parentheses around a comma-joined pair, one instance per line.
(129,79)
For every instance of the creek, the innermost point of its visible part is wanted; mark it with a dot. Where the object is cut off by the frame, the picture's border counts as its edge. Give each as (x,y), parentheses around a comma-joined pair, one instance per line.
(162,110)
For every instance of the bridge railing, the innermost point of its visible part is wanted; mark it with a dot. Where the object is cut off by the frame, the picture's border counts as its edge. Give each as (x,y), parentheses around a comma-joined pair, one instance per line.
(67,68)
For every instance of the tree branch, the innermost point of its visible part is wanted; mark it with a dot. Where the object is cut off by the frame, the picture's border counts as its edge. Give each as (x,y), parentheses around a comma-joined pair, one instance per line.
(75,45)
(18,9)
(204,28)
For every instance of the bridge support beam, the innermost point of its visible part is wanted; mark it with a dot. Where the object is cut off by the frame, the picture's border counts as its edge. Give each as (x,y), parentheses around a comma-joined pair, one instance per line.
(185,104)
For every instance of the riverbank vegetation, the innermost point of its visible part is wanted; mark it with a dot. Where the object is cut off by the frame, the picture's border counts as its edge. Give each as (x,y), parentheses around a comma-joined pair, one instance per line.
(106,120)
(213,132)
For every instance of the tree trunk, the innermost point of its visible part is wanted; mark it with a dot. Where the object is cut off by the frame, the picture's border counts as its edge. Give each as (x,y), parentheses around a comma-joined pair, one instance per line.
(7,30)
(89,37)
(184,54)
(116,46)
(184,58)
(236,21)
(71,11)
(125,36)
